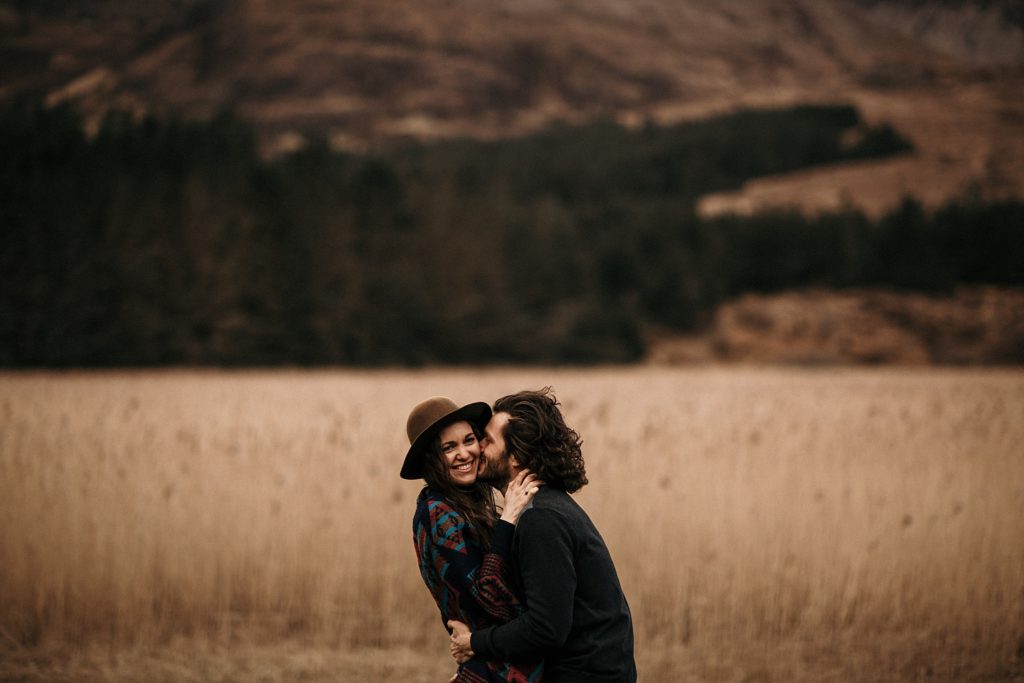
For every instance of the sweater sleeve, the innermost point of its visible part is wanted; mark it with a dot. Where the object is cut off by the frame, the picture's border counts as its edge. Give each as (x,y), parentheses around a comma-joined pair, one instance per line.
(491,585)
(545,556)
(483,577)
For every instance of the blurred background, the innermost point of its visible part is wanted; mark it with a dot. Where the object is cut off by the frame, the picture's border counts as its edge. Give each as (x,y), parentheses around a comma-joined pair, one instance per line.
(238,182)
(240,239)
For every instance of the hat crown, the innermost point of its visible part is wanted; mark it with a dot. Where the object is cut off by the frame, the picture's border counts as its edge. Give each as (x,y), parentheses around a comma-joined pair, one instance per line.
(426,413)
(427,418)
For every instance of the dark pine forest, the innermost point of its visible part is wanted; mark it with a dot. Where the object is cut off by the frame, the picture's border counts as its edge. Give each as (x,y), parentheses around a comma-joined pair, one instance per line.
(166,242)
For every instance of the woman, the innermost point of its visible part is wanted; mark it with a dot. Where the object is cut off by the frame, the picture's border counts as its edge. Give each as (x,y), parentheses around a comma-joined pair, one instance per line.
(461,543)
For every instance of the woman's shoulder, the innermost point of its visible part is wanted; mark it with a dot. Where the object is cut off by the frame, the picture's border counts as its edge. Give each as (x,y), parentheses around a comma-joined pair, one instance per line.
(438,517)
(431,503)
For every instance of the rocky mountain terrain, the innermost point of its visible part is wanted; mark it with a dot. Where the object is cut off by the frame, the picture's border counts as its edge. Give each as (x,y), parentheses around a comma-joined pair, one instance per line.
(978,31)
(364,72)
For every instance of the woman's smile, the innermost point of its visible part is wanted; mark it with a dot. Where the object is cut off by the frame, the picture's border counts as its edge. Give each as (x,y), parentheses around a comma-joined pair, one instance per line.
(461,449)
(465,466)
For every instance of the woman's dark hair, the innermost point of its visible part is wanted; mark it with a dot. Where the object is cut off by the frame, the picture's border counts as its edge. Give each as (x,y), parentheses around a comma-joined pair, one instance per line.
(536,434)
(475,503)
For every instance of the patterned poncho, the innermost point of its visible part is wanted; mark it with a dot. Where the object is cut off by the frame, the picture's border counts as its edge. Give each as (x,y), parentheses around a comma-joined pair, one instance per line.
(468,583)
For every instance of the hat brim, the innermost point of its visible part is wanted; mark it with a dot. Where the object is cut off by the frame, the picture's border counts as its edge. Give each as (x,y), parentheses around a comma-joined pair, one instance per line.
(477,414)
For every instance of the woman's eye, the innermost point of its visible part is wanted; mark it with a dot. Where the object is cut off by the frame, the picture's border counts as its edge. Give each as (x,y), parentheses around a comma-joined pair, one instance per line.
(447,448)
(470,439)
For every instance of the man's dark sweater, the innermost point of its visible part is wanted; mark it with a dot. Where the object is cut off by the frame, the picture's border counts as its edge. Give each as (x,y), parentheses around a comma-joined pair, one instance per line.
(576,614)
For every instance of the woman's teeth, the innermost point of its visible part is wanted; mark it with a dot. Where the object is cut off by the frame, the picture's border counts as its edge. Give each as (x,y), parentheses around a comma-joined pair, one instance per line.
(464,467)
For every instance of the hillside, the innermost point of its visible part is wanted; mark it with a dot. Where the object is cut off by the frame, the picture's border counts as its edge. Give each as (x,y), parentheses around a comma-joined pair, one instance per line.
(366,73)
(972,326)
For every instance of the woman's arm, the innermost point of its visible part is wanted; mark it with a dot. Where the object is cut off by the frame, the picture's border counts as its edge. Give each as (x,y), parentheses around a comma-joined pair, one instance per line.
(494,593)
(483,576)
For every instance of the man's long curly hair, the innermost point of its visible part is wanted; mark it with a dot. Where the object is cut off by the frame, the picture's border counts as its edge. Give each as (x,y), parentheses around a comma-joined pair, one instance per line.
(536,434)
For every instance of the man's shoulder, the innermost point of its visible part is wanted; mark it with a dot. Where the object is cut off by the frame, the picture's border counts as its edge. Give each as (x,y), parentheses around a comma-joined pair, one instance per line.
(557,500)
(557,507)
(549,506)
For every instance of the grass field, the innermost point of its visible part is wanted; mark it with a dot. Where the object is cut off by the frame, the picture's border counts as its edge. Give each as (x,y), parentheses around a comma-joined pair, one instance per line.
(789,524)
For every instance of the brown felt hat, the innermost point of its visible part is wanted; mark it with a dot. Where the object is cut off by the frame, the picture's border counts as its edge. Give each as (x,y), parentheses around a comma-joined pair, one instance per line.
(427,419)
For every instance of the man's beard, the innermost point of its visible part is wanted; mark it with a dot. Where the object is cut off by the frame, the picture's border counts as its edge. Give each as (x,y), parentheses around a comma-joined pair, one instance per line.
(496,473)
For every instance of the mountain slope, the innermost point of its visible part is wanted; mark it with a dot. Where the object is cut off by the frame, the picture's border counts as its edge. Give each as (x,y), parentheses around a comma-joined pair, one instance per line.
(364,72)
(375,70)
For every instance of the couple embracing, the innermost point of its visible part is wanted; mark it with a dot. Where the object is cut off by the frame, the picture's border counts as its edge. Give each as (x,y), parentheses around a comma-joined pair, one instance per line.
(530,594)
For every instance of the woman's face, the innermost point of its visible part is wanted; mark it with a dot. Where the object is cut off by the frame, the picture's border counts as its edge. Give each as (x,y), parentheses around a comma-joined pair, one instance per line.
(461,452)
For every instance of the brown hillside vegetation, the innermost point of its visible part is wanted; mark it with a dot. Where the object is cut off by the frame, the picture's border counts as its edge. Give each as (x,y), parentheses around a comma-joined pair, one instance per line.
(969,143)
(973,326)
(364,72)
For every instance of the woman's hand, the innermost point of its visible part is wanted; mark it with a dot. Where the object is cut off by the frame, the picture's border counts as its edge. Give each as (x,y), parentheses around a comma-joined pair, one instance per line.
(518,495)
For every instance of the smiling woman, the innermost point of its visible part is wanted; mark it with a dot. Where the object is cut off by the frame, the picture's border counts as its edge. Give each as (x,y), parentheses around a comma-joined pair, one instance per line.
(461,544)
(460,449)
(439,432)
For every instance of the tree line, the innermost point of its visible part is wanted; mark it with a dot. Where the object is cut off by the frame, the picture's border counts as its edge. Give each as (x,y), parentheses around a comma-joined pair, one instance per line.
(167,241)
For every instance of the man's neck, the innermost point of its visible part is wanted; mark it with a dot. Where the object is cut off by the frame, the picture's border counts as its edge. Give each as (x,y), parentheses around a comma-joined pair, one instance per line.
(514,473)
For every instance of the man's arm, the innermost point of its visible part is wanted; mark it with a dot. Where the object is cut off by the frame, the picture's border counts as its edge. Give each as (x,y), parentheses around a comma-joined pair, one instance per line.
(545,555)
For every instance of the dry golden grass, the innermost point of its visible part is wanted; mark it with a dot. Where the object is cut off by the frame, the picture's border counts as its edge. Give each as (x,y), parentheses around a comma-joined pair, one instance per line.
(766,524)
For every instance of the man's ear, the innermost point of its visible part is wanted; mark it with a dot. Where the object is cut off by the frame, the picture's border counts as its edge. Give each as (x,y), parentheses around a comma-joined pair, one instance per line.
(514,461)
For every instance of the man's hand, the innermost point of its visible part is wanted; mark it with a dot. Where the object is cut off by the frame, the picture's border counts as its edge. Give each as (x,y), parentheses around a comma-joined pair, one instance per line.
(460,647)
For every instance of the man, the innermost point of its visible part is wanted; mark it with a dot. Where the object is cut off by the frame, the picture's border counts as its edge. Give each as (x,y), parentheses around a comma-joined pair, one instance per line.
(576,615)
